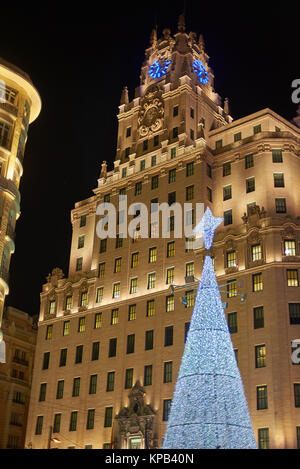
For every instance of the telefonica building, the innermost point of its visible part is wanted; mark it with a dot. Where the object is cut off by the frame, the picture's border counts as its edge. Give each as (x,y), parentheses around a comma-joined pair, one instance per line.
(112,332)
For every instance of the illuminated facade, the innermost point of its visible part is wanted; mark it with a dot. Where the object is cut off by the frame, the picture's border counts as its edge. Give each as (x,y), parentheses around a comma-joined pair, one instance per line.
(111,335)
(20,105)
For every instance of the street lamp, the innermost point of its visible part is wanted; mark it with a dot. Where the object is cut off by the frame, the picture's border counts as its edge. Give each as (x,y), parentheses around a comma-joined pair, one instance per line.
(55,440)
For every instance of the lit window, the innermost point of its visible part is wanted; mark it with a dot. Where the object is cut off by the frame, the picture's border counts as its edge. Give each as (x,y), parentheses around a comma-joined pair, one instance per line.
(66,328)
(118,264)
(190,298)
(98,320)
(189,244)
(99,295)
(68,304)
(132,313)
(81,324)
(83,298)
(154,230)
(171,249)
(289,247)
(257,282)
(150,308)
(258,313)
(52,307)
(151,280)
(152,255)
(49,332)
(261,397)
(231,259)
(231,289)
(278,179)
(256,252)
(170,276)
(116,290)
(134,259)
(260,356)
(101,270)
(133,285)
(114,316)
(170,303)
(292,278)
(189,269)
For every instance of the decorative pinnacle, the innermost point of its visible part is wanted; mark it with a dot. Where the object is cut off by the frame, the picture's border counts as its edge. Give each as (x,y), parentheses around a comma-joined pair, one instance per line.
(207,227)
(181,23)
(201,43)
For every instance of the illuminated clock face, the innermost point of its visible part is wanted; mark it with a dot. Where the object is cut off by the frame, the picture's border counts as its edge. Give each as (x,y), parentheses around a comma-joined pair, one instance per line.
(201,71)
(159,68)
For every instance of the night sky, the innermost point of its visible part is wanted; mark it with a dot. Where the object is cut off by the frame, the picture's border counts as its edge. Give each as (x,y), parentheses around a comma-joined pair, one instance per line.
(80,58)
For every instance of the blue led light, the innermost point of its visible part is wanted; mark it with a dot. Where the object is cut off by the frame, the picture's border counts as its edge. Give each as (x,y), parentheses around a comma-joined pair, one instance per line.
(201,71)
(159,68)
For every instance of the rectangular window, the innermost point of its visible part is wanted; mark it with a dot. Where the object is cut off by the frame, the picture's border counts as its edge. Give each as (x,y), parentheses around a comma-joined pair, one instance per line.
(128,131)
(171,198)
(260,356)
(209,194)
(277,156)
(114,316)
(108,417)
(173,153)
(142,165)
(150,308)
(171,249)
(124,170)
(263,438)
(249,161)
(119,241)
(138,188)
(189,269)
(237,136)
(156,140)
(81,324)
(90,419)
(231,289)
(170,276)
(46,360)
(226,169)
(190,169)
(219,144)
(152,255)
(151,280)
(168,372)
(148,375)
(106,198)
(232,323)
(231,259)
(289,247)
(63,357)
(256,252)
(60,389)
(112,351)
(116,290)
(78,356)
(73,421)
(133,285)
(82,221)
(110,385)
(149,338)
(190,298)
(39,425)
(101,270)
(280,205)
(129,378)
(49,331)
(118,262)
(294,312)
(189,192)
(153,158)
(166,409)
(258,313)
(228,217)
(42,396)
(84,298)
(51,307)
(298,437)
(154,182)
(261,397)
(99,295)
(172,175)
(227,192)
(98,320)
(250,185)
(170,303)
(134,259)
(257,129)
(292,278)
(95,350)
(80,242)
(68,303)
(66,328)
(145,145)
(257,283)
(278,179)
(132,313)
(175,111)
(56,424)
(192,113)
(175,132)
(168,336)
(208,170)
(130,343)
(93,384)
(103,245)
(192,134)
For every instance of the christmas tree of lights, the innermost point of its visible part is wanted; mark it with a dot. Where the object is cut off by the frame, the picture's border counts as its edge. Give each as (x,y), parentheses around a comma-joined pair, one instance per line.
(209,409)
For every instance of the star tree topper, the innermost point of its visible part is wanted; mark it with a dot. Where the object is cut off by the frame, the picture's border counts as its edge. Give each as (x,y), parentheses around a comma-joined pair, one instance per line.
(207,227)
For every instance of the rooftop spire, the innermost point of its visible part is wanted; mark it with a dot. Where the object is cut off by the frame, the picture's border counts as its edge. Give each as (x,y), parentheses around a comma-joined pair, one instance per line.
(181,23)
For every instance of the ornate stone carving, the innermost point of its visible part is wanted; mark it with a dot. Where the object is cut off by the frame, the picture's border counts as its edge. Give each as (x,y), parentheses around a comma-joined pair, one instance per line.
(150,118)
(288,232)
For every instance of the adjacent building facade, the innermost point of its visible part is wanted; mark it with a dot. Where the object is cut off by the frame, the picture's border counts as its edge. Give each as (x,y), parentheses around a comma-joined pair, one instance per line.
(111,334)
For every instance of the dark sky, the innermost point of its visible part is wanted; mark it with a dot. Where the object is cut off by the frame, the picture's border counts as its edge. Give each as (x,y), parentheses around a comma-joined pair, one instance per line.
(79,59)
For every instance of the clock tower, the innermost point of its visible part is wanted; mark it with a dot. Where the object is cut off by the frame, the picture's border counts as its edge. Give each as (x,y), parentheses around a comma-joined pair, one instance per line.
(175,75)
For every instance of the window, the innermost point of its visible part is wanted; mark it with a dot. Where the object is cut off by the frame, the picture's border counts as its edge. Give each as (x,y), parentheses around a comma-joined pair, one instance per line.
(237,136)
(261,397)
(256,252)
(153,157)
(226,169)
(168,372)
(46,360)
(192,134)
(82,221)
(39,425)
(129,378)
(172,175)
(257,129)
(280,205)
(78,356)
(110,385)
(192,113)
(112,351)
(142,165)
(118,262)
(189,191)
(189,269)
(138,188)
(106,198)
(68,303)
(73,421)
(98,320)
(175,132)
(171,249)
(42,396)
(292,278)
(152,255)
(134,259)
(277,156)
(133,285)
(124,170)
(294,312)
(149,337)
(263,438)
(173,153)
(190,298)
(227,192)
(101,270)
(166,409)
(171,198)
(175,111)
(258,313)
(168,336)
(56,424)
(190,169)
(90,419)
(250,185)
(228,217)
(83,298)
(80,242)
(114,316)
(130,343)
(170,276)
(232,323)
(289,247)
(122,193)
(128,131)
(209,194)
(170,303)
(66,328)
(4,134)
(297,394)
(231,259)
(154,182)
(79,263)
(63,357)
(60,389)
(208,170)
(150,308)
(95,350)
(219,144)
(148,375)
(99,294)
(93,384)
(278,179)
(231,289)
(186,330)
(52,304)
(103,245)
(132,313)
(249,161)
(108,417)
(116,290)
(260,356)
(156,140)
(49,331)
(257,283)
(81,324)
(145,145)
(151,280)
(298,437)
